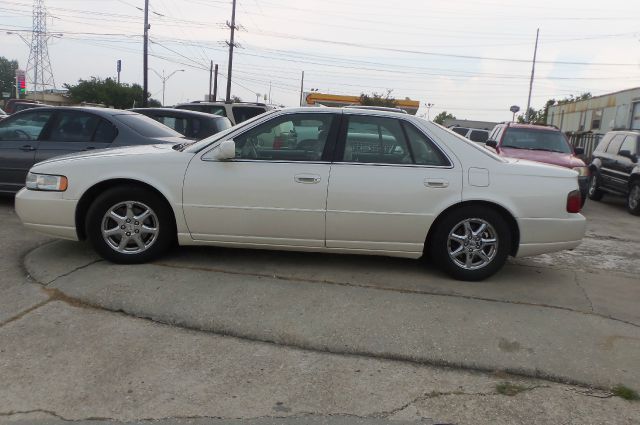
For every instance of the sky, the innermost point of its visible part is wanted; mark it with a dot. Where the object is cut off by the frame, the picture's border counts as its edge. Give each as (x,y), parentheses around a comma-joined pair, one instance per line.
(471,58)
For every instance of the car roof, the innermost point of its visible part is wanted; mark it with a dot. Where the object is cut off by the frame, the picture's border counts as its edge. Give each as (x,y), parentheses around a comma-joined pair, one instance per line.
(531,126)
(183,112)
(92,109)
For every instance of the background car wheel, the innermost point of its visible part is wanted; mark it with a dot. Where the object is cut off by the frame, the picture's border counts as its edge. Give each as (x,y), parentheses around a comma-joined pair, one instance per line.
(594,193)
(130,225)
(633,199)
(471,243)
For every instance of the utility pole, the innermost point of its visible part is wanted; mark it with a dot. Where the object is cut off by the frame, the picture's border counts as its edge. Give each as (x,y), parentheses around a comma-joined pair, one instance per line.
(270,92)
(164,79)
(533,70)
(210,81)
(215,83)
(145,61)
(39,65)
(301,88)
(231,44)
(119,68)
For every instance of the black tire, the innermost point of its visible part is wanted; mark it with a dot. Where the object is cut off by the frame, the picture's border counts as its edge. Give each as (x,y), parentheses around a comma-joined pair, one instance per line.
(154,245)
(439,244)
(594,192)
(633,198)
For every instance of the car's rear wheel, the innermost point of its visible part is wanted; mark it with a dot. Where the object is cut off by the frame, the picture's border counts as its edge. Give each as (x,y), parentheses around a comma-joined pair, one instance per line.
(130,225)
(471,243)
(633,199)
(594,192)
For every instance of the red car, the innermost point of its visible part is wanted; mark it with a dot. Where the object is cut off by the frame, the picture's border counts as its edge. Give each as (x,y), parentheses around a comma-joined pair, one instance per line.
(539,143)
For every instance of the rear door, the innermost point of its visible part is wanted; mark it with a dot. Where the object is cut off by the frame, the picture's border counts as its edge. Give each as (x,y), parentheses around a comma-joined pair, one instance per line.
(75,131)
(388,182)
(19,138)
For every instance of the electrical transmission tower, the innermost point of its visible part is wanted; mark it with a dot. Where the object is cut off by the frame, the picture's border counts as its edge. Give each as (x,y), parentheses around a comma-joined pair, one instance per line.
(39,72)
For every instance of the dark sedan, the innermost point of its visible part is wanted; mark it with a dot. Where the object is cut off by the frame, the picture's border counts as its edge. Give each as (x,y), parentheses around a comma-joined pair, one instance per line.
(33,135)
(192,124)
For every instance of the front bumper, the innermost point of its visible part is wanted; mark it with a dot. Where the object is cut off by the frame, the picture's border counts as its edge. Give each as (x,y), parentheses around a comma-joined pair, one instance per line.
(47,212)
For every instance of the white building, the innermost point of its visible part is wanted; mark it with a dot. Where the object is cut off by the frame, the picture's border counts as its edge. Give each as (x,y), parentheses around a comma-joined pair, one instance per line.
(614,111)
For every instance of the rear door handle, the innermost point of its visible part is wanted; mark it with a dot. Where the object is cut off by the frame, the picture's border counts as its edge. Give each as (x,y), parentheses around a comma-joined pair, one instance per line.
(307,178)
(436,183)
(27,148)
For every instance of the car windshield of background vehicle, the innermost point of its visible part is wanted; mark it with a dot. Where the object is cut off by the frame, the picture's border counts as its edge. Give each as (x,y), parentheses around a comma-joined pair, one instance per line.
(524,138)
(146,126)
(26,126)
(479,136)
(243,113)
(460,130)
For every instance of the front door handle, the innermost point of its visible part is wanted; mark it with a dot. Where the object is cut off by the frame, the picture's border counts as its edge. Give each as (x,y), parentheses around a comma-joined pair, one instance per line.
(27,148)
(436,183)
(307,178)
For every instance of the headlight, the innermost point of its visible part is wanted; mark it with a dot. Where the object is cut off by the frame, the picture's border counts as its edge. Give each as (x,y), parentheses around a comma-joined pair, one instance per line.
(46,182)
(582,171)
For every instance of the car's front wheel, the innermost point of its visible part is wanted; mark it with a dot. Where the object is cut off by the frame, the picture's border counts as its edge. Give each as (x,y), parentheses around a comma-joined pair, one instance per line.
(130,225)
(471,243)
(633,199)
(594,192)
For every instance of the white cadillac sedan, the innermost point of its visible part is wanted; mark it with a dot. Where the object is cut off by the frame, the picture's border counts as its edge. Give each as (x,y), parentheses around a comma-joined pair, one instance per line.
(312,179)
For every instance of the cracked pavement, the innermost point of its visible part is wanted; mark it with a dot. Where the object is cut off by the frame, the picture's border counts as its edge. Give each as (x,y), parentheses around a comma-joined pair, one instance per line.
(65,357)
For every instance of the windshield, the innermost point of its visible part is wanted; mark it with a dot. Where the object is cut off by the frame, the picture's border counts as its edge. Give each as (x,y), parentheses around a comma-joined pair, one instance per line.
(146,126)
(537,140)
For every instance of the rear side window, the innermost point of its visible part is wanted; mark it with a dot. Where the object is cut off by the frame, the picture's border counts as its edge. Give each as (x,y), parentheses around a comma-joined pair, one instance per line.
(461,131)
(243,113)
(615,144)
(375,140)
(105,133)
(72,126)
(479,136)
(602,145)
(423,149)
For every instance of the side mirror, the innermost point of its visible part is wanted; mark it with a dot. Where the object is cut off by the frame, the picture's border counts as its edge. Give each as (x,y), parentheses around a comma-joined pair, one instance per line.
(578,151)
(225,150)
(628,154)
(492,144)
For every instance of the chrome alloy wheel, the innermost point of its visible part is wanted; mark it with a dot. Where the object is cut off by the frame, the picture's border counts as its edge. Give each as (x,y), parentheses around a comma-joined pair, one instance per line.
(472,244)
(130,227)
(634,197)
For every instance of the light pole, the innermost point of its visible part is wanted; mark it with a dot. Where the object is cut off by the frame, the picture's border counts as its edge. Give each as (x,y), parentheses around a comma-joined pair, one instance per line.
(429,106)
(164,79)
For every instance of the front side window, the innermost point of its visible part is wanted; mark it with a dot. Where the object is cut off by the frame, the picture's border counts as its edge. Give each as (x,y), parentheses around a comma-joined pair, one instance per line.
(629,144)
(375,140)
(296,137)
(71,126)
(615,144)
(26,126)
(537,140)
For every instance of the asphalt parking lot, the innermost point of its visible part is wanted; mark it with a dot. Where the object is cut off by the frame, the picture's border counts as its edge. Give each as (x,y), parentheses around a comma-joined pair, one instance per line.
(212,333)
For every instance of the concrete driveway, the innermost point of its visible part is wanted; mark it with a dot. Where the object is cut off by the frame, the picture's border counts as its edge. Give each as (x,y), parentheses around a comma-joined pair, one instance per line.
(570,317)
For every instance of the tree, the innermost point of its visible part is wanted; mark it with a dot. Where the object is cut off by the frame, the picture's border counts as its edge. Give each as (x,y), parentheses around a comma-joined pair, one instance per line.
(108,92)
(8,75)
(377,99)
(235,99)
(444,115)
(540,116)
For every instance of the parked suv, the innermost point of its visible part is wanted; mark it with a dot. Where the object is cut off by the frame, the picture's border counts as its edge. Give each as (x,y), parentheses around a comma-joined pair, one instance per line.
(615,169)
(236,112)
(539,143)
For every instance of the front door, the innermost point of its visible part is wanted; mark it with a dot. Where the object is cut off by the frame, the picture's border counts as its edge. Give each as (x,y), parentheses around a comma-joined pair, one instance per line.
(387,186)
(19,136)
(621,170)
(74,131)
(273,192)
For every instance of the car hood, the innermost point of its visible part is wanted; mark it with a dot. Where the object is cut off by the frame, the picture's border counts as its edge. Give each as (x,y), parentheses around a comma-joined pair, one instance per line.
(554,158)
(125,150)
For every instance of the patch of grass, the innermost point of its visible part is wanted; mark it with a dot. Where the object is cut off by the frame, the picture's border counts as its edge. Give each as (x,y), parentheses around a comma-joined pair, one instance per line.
(507,388)
(625,392)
